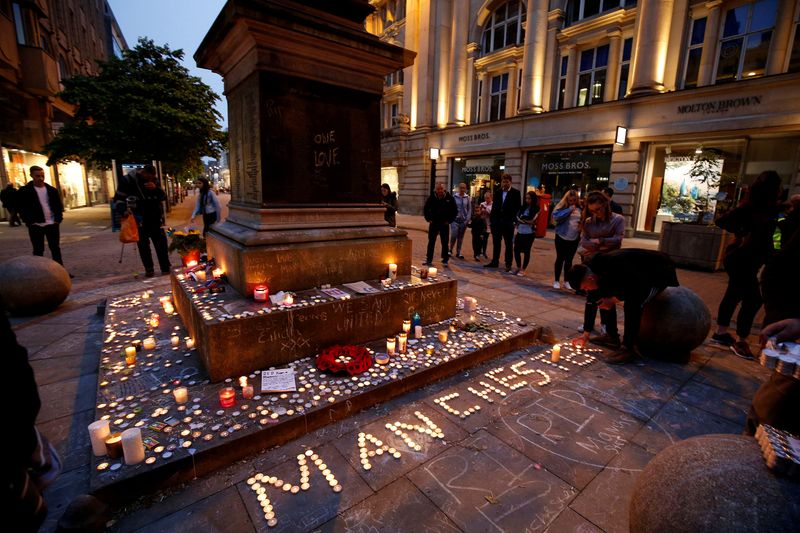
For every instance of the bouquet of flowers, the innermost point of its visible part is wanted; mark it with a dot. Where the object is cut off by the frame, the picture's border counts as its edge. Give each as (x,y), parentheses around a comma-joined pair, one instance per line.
(340,359)
(186,242)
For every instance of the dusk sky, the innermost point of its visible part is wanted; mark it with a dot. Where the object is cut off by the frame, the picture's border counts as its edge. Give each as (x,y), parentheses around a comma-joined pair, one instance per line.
(177,23)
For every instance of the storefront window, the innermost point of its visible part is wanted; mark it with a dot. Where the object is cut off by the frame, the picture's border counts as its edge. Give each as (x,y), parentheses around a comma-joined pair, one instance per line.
(73,185)
(584,170)
(19,162)
(481,174)
(101,185)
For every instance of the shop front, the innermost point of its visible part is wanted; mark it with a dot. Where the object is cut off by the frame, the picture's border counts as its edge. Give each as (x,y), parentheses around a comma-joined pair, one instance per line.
(480,173)
(556,172)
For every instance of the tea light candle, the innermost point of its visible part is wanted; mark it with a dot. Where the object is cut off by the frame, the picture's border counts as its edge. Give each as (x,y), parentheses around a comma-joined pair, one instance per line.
(114,446)
(556,355)
(169,308)
(260,293)
(418,331)
(227,397)
(288,299)
(432,271)
(406,326)
(393,271)
(181,394)
(132,446)
(155,320)
(382,359)
(175,340)
(149,343)
(402,342)
(191,264)
(189,343)
(130,357)
(217,273)
(390,345)
(201,274)
(443,335)
(98,433)
(130,351)
(247,392)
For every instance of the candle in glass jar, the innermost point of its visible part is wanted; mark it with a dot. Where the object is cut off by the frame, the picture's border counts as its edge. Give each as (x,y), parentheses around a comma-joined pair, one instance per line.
(402,342)
(227,397)
(169,308)
(443,335)
(288,299)
(393,271)
(181,394)
(149,343)
(201,274)
(260,293)
(130,351)
(114,446)
(132,446)
(165,299)
(98,433)
(175,340)
(406,326)
(470,304)
(556,355)
(390,345)
(248,392)
(423,273)
(191,263)
(418,331)
(130,357)
(432,271)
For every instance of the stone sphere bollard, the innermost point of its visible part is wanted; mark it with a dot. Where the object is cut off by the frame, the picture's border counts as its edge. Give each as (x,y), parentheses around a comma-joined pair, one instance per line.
(32,285)
(673,324)
(713,483)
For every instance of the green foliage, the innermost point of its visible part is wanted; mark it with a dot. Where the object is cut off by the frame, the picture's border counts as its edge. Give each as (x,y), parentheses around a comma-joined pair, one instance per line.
(185,242)
(142,107)
(704,171)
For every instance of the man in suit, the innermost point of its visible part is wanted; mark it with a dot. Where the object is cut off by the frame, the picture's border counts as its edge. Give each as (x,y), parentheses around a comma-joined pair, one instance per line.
(507,201)
(41,209)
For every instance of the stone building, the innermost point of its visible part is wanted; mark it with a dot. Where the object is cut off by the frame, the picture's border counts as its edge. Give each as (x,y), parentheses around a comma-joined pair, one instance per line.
(43,42)
(590,94)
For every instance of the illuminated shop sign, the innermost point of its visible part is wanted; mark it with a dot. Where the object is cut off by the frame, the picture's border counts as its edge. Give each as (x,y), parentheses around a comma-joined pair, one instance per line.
(719,106)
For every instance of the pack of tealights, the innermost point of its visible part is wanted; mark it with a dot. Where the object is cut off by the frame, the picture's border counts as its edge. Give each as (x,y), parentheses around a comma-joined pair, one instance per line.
(784,358)
(781,450)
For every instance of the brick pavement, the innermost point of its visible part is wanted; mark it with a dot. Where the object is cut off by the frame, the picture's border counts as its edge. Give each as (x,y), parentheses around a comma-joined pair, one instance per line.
(502,469)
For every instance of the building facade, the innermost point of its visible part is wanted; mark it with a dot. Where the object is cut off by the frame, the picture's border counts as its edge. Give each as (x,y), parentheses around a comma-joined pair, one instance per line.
(594,93)
(43,42)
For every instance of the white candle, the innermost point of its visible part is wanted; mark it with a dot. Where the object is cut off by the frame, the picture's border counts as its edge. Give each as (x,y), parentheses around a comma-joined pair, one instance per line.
(98,433)
(402,342)
(175,340)
(149,343)
(470,304)
(181,394)
(392,271)
(418,331)
(169,308)
(390,345)
(130,351)
(288,299)
(432,271)
(201,274)
(406,326)
(132,446)
(556,353)
(190,343)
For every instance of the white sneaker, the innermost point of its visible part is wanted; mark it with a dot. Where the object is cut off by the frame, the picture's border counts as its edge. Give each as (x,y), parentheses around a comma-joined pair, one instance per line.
(567,286)
(556,285)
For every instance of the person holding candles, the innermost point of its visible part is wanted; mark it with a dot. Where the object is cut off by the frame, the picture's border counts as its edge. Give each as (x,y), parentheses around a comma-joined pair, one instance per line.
(523,241)
(206,204)
(440,211)
(503,220)
(632,276)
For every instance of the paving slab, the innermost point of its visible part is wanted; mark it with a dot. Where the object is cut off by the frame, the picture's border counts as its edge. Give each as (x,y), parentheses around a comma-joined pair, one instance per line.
(732,374)
(68,435)
(65,398)
(81,343)
(571,522)
(222,511)
(55,369)
(716,401)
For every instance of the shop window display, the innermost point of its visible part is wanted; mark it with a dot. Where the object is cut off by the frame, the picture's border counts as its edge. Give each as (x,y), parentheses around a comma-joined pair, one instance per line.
(480,173)
(585,170)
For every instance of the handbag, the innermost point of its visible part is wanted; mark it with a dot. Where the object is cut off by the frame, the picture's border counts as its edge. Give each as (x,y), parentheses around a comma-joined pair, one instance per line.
(129,229)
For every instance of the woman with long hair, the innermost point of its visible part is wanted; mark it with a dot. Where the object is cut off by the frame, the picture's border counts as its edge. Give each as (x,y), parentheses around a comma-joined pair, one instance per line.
(523,240)
(389,201)
(207,204)
(753,223)
(567,219)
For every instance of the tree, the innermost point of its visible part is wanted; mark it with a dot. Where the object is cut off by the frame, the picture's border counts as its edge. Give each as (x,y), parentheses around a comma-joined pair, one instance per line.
(142,107)
(705,171)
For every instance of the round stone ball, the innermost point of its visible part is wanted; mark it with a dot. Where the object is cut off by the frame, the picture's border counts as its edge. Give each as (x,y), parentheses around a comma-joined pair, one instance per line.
(713,483)
(673,324)
(33,285)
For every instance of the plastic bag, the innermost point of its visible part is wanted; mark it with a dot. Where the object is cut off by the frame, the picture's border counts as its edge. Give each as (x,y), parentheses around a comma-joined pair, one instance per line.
(129,231)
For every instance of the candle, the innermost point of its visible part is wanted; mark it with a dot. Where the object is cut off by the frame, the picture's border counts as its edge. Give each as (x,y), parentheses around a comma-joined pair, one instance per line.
(470,304)
(392,271)
(169,308)
(386,282)
(130,357)
(443,335)
(243,381)
(247,392)
(288,299)
(390,345)
(382,359)
(146,295)
(130,351)
(149,343)
(217,273)
(98,433)
(227,397)
(181,394)
(432,271)
(191,264)
(429,349)
(189,343)
(260,293)
(114,446)
(163,300)
(201,274)
(418,331)
(154,320)
(423,272)
(175,340)
(406,326)
(453,327)
(132,446)
(138,345)
(402,342)
(556,353)
(416,320)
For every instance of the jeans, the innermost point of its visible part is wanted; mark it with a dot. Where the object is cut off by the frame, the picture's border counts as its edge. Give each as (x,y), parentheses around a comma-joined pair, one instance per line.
(742,287)
(442,231)
(53,235)
(522,248)
(565,252)
(156,234)
(457,230)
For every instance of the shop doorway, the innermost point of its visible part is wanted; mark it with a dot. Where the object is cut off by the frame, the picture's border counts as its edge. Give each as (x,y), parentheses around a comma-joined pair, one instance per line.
(481,174)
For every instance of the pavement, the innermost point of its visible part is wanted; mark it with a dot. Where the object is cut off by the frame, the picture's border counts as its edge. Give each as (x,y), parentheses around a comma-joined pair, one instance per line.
(561,457)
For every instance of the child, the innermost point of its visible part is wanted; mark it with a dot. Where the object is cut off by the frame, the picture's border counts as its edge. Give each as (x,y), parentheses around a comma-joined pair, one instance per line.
(479,233)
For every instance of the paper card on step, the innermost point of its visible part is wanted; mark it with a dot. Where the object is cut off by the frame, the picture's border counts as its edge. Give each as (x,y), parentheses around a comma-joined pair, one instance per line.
(281,380)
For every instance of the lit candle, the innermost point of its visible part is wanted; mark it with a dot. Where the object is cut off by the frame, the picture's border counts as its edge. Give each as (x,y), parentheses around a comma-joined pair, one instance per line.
(155,320)
(217,273)
(114,446)
(443,335)
(247,392)
(201,274)
(429,349)
(243,381)
(386,282)
(288,299)
(132,446)
(181,394)
(406,326)
(227,397)
(418,331)
(138,345)
(163,300)
(145,295)
(175,340)
(169,308)
(149,343)
(453,327)
(191,263)
(392,271)
(470,304)
(432,271)
(130,351)
(390,345)
(402,342)
(556,353)
(260,293)
(98,433)
(189,343)
(130,357)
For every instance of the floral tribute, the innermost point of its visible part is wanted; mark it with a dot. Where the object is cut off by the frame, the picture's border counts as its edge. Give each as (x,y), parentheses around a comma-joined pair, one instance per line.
(185,242)
(348,358)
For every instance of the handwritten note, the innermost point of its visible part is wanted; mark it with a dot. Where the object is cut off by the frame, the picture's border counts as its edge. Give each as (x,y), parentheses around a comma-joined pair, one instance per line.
(281,380)
(361,287)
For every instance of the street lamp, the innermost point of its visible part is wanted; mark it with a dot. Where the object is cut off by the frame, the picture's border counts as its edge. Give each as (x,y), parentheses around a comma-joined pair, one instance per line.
(434,155)
(621,136)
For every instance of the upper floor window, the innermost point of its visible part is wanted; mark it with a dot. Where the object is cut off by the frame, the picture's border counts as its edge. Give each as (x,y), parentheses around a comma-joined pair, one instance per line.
(498,97)
(582,9)
(794,57)
(694,52)
(395,78)
(625,67)
(504,27)
(562,81)
(592,75)
(744,45)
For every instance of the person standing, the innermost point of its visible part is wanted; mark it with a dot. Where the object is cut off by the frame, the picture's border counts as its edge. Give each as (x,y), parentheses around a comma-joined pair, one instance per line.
(615,207)
(479,233)
(389,201)
(8,197)
(487,214)
(567,218)
(207,204)
(144,197)
(440,210)
(41,209)
(463,216)
(523,241)
(503,218)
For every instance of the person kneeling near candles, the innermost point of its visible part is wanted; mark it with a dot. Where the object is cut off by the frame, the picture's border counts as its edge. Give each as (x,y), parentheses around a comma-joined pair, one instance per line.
(632,276)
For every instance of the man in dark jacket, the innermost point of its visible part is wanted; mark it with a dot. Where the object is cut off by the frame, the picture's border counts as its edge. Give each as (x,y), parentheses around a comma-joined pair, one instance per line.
(632,276)
(507,202)
(8,197)
(615,207)
(143,196)
(41,209)
(440,211)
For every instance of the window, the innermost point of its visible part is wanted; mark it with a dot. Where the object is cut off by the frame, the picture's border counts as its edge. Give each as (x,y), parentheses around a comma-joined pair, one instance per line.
(19,24)
(519,89)
(562,82)
(395,78)
(497,97)
(504,27)
(794,57)
(581,9)
(625,68)
(393,114)
(746,35)
(694,53)
(592,75)
(480,100)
